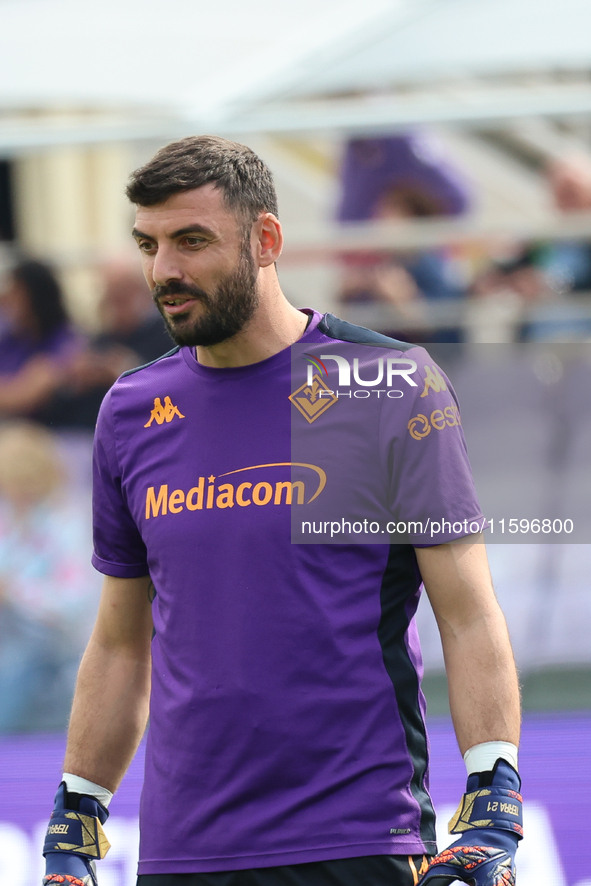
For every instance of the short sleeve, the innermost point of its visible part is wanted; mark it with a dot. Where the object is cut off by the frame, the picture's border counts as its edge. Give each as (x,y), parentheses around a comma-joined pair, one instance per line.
(118,546)
(432,493)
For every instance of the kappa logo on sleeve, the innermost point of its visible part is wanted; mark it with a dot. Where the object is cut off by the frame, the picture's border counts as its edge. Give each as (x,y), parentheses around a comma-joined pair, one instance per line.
(161,414)
(420,425)
(434,381)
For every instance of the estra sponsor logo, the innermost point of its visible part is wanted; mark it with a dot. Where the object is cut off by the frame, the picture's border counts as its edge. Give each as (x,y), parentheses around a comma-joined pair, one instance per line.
(218,492)
(420,425)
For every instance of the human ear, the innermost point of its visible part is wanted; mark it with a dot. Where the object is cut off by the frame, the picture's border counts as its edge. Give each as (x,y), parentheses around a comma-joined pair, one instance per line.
(269,240)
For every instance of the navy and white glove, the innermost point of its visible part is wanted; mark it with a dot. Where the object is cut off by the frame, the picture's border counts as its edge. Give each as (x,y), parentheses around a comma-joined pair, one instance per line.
(74,839)
(489,819)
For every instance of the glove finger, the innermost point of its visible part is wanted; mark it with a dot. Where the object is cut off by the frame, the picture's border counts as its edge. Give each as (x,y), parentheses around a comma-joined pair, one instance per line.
(479,865)
(67,880)
(71,868)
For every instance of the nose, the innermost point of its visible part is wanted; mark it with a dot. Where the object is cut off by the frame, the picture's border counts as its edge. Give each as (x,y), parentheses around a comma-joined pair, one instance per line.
(165,266)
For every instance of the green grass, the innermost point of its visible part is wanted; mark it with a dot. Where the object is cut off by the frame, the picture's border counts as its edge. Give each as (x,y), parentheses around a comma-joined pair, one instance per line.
(556,689)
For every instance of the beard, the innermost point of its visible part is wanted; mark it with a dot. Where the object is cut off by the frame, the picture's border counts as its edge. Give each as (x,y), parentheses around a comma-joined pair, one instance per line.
(228,308)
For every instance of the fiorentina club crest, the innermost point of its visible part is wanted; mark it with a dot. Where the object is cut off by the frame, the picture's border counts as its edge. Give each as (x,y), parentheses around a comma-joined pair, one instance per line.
(313,398)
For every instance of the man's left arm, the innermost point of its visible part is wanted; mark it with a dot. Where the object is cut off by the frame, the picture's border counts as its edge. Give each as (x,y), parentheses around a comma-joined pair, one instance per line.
(481,673)
(485,708)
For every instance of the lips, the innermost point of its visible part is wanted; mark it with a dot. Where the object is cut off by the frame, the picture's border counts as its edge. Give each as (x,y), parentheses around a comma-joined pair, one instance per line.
(177,305)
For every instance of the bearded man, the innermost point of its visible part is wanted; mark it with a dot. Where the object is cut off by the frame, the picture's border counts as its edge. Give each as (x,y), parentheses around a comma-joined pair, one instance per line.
(287,742)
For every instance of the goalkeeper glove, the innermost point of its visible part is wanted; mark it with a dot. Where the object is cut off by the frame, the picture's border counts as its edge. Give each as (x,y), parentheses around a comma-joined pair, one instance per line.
(74,838)
(489,819)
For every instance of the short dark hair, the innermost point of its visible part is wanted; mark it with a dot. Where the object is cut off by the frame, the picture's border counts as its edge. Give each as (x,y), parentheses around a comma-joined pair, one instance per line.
(244,180)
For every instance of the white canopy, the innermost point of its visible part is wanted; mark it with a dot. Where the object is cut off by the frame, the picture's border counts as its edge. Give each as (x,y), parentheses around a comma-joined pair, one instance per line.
(155,69)
(179,56)
(428,40)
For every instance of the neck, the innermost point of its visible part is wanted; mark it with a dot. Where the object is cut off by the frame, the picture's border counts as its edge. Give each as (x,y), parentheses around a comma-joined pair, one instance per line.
(275,326)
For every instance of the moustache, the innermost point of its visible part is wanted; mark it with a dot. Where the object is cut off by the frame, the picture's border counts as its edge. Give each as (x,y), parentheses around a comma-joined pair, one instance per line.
(175,287)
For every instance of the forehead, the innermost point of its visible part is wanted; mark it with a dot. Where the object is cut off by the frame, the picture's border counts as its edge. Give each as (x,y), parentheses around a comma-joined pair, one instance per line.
(204,206)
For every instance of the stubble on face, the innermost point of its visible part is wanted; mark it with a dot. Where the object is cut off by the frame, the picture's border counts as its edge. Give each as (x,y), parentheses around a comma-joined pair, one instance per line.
(227,309)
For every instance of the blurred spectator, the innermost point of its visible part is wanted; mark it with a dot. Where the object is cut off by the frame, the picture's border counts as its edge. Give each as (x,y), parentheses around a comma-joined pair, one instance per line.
(406,174)
(502,293)
(396,178)
(525,295)
(48,590)
(37,341)
(570,181)
(128,316)
(132,333)
(568,262)
(50,371)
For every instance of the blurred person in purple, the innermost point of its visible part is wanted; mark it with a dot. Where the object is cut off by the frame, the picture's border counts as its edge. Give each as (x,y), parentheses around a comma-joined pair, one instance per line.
(396,178)
(408,172)
(37,339)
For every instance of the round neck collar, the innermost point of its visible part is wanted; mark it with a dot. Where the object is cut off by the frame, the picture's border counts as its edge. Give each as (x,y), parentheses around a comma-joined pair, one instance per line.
(227,373)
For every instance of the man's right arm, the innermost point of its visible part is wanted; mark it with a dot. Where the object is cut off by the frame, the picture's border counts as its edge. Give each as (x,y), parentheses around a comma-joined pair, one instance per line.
(110,708)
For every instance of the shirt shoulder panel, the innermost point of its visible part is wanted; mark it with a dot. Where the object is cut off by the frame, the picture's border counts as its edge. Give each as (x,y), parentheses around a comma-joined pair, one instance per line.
(170,353)
(342,330)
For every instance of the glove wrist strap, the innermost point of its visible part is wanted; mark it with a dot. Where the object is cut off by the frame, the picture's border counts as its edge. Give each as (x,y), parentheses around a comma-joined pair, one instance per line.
(76,833)
(489,807)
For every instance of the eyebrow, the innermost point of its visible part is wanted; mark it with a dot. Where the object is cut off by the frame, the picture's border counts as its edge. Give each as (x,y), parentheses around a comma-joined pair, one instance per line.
(189,229)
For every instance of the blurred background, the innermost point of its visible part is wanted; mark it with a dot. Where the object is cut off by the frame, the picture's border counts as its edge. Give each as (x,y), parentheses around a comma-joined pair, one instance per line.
(433,165)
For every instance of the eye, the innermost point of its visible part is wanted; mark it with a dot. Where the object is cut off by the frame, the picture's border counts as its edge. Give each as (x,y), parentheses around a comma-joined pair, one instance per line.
(194,241)
(146,246)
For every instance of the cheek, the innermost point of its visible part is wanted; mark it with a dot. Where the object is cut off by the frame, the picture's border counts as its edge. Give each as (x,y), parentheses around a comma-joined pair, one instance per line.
(147,270)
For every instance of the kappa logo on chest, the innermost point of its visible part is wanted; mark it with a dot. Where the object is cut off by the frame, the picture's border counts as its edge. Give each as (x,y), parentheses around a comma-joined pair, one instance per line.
(163,413)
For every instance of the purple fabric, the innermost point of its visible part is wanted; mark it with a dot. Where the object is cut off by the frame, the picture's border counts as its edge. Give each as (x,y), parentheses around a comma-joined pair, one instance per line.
(371,165)
(276,733)
(15,352)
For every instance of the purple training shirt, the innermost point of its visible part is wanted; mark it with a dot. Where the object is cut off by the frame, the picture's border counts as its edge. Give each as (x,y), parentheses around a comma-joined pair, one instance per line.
(287,719)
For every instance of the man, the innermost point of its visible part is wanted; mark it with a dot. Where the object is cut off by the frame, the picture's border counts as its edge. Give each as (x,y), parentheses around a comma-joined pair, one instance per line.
(286,741)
